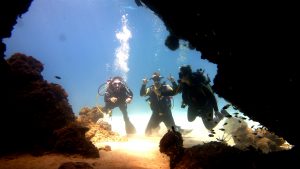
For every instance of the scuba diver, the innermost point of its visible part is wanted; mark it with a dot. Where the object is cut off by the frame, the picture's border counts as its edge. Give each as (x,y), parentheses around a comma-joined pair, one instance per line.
(159,104)
(119,95)
(198,95)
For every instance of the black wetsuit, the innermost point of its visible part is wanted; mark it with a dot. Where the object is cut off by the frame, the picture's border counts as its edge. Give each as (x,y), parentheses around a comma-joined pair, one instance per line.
(200,99)
(160,106)
(199,96)
(121,96)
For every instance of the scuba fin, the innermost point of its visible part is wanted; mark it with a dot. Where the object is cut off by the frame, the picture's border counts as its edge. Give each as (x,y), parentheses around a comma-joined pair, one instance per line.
(129,127)
(182,131)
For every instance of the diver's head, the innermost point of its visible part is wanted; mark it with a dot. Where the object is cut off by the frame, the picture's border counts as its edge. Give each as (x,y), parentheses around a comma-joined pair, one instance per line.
(156,78)
(184,73)
(117,83)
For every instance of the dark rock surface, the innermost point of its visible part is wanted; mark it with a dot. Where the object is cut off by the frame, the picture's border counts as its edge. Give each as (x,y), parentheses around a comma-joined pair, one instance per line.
(215,155)
(253,45)
(36,116)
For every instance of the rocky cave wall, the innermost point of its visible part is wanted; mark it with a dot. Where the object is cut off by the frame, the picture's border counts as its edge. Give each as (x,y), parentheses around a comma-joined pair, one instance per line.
(253,44)
(36,116)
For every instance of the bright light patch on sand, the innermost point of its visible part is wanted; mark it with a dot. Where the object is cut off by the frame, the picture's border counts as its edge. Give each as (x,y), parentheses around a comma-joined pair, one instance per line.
(139,146)
(122,52)
(198,135)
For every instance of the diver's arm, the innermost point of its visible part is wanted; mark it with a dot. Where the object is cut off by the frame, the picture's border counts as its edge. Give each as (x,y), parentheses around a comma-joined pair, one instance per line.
(175,86)
(129,95)
(167,91)
(144,91)
(107,97)
(175,90)
(168,88)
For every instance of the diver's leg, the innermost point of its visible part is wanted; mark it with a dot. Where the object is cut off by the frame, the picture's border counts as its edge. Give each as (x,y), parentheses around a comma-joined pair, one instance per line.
(108,107)
(153,123)
(214,103)
(208,119)
(225,113)
(168,119)
(192,113)
(105,108)
(130,129)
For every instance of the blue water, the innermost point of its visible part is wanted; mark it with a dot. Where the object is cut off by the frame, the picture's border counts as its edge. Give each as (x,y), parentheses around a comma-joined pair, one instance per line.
(87,42)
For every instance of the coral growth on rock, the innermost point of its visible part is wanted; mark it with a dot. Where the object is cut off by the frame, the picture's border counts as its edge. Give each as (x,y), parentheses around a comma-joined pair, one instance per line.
(36,114)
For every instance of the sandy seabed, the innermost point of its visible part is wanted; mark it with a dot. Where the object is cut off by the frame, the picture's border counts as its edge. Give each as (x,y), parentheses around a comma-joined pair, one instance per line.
(137,153)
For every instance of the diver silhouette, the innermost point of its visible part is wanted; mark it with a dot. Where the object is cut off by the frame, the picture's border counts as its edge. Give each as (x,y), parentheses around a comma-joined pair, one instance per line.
(198,95)
(159,104)
(119,95)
